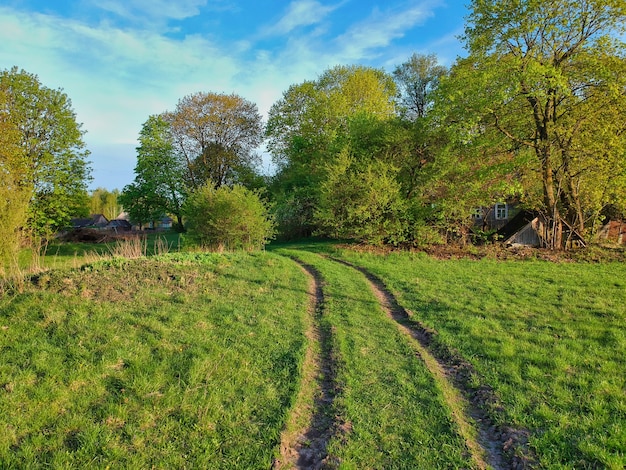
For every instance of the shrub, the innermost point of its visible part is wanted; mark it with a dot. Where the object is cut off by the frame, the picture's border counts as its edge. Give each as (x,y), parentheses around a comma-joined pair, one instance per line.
(227,219)
(362,203)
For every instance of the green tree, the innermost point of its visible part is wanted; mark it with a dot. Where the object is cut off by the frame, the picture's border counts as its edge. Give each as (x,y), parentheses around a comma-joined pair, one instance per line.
(15,193)
(141,203)
(546,79)
(310,126)
(160,169)
(363,201)
(417,79)
(228,218)
(103,201)
(217,135)
(52,141)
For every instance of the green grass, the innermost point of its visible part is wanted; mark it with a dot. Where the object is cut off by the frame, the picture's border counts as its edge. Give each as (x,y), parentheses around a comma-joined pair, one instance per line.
(550,338)
(179,361)
(60,255)
(388,405)
(193,360)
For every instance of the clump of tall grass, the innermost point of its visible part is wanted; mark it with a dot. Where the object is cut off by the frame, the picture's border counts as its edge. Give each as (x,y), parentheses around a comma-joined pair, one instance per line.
(137,247)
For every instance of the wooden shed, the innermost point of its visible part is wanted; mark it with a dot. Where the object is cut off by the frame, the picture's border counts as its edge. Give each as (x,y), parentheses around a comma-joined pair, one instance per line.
(613,231)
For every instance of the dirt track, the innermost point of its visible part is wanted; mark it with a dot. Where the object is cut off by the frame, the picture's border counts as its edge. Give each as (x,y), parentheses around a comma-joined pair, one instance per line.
(303,445)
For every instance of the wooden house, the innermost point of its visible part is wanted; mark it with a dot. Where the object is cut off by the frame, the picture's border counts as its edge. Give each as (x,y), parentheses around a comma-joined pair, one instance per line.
(613,231)
(93,221)
(487,218)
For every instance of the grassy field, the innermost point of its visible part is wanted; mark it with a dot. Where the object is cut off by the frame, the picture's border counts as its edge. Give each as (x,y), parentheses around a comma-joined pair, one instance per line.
(194,360)
(184,361)
(550,338)
(389,411)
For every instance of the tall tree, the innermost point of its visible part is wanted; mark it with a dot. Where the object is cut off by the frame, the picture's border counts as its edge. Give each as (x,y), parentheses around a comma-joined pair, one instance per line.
(160,170)
(52,141)
(417,78)
(309,127)
(217,134)
(15,193)
(548,77)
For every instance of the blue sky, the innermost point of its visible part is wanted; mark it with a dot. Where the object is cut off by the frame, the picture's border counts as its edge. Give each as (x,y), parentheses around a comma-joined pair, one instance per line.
(120,61)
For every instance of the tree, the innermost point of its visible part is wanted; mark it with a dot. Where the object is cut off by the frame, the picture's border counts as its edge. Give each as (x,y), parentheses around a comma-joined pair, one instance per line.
(217,135)
(52,141)
(15,193)
(228,218)
(363,202)
(417,78)
(160,170)
(549,78)
(141,203)
(103,201)
(310,126)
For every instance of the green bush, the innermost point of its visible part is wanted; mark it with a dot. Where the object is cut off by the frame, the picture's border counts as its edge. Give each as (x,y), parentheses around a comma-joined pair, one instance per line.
(362,203)
(227,219)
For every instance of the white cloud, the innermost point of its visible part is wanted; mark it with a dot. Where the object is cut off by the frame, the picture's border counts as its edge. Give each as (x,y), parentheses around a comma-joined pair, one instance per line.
(381,28)
(134,9)
(301,13)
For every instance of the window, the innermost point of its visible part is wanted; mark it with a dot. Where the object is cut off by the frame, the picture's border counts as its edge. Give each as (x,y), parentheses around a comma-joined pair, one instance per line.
(477,213)
(502,211)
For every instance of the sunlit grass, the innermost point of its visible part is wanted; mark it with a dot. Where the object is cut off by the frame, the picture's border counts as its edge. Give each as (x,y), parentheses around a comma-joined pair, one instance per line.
(549,337)
(185,361)
(390,413)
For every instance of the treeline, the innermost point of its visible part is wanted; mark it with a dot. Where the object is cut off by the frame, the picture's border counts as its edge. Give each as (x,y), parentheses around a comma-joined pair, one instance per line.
(533,114)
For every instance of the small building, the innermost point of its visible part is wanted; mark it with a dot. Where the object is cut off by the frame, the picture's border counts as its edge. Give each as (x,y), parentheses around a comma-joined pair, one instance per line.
(119,225)
(613,231)
(493,217)
(93,221)
(523,230)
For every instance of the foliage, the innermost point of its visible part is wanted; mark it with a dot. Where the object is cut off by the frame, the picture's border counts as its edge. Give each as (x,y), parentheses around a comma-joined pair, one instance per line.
(141,205)
(228,218)
(15,194)
(311,125)
(103,201)
(417,79)
(546,79)
(159,175)
(362,202)
(52,141)
(216,135)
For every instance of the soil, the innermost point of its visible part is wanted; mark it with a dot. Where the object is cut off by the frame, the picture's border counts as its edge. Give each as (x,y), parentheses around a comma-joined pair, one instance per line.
(306,448)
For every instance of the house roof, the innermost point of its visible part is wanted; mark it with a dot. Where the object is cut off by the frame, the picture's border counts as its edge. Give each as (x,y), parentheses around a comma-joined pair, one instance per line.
(93,219)
(517,223)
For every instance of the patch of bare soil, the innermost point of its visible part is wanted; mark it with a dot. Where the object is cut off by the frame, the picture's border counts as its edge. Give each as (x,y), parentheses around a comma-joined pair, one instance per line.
(497,446)
(311,423)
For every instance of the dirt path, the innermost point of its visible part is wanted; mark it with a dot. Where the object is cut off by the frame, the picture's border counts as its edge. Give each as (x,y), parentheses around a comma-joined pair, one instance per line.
(311,423)
(490,446)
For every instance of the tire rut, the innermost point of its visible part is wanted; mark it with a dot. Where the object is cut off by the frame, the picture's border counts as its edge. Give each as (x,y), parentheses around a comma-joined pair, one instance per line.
(490,445)
(312,423)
